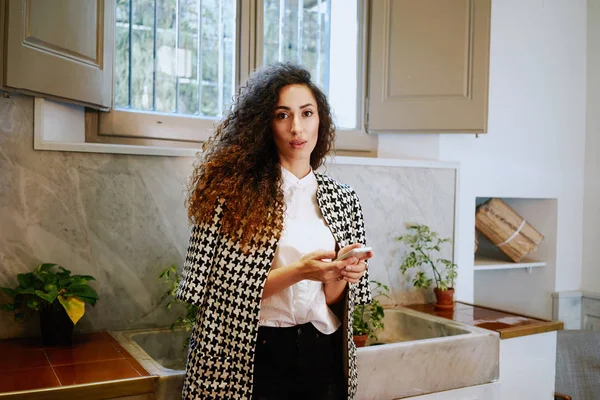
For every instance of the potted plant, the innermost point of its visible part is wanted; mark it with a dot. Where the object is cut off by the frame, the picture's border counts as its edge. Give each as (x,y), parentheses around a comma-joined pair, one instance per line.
(367,319)
(422,244)
(59,297)
(172,277)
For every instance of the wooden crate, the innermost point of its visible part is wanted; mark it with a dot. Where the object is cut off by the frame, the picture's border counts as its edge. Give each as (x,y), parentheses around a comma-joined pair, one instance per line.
(505,228)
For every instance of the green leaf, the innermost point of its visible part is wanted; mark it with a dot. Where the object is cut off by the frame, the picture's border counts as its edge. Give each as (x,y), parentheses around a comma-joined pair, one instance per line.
(49,297)
(29,290)
(50,288)
(84,292)
(33,303)
(7,307)
(9,291)
(46,267)
(80,280)
(45,277)
(65,282)
(25,280)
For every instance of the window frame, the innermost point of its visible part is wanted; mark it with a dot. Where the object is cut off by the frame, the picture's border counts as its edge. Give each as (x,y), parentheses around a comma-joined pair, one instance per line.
(160,129)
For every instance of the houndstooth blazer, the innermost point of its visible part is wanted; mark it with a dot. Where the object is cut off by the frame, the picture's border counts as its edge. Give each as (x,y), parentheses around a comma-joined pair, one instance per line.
(227,286)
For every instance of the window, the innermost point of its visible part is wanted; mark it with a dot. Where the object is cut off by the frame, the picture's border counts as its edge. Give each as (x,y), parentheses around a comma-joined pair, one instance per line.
(322,35)
(175,56)
(178,63)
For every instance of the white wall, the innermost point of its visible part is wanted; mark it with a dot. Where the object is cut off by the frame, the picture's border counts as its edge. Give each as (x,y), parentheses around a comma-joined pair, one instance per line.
(591,224)
(536,131)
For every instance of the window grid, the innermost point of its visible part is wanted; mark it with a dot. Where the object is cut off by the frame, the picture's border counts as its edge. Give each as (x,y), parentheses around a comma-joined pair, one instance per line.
(221,45)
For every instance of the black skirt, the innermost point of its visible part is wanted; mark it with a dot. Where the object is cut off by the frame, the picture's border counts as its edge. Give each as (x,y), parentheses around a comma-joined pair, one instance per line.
(298,362)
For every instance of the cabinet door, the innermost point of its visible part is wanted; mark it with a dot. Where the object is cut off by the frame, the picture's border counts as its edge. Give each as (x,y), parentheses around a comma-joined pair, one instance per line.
(428,66)
(61,49)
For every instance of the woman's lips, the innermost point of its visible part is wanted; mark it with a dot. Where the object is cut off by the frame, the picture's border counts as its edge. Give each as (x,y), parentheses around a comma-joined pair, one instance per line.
(298,144)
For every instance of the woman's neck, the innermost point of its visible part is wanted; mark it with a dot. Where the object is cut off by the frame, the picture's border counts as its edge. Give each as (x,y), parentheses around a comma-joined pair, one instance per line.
(299,169)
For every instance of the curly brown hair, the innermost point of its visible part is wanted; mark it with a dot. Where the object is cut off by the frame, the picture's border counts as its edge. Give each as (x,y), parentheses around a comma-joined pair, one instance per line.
(240,163)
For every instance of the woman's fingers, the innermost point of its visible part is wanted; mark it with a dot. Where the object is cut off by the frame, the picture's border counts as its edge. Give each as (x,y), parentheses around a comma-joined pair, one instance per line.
(320,255)
(353,273)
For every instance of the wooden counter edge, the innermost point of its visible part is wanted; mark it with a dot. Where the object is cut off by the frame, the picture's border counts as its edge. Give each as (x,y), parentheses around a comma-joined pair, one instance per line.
(88,391)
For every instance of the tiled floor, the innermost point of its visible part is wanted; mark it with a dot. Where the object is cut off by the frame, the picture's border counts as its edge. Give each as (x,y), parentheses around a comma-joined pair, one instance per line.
(507,324)
(96,357)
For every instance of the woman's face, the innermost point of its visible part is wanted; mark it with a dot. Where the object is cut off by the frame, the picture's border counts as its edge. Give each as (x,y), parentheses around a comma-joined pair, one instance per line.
(295,124)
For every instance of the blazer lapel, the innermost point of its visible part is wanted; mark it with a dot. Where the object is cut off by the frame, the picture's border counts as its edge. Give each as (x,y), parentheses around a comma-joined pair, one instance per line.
(331,208)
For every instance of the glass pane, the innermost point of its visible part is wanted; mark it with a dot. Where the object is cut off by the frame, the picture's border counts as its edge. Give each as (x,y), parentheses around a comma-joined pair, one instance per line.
(321,35)
(141,59)
(166,38)
(122,54)
(342,72)
(187,57)
(182,57)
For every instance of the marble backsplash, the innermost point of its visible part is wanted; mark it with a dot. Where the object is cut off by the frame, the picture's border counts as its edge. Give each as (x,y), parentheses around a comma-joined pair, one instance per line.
(121,219)
(391,198)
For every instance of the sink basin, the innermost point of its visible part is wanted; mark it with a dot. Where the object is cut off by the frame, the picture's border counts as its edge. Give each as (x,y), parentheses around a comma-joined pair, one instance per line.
(415,354)
(421,353)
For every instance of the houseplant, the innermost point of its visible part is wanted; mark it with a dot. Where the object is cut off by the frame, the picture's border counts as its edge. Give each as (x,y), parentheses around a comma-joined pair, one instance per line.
(172,277)
(422,245)
(59,297)
(367,319)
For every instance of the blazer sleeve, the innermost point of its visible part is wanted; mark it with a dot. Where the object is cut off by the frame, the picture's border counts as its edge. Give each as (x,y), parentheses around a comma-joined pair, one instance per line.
(362,288)
(199,258)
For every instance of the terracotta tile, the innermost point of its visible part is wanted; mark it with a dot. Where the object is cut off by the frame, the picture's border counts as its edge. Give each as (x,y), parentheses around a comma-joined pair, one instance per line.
(462,306)
(465,318)
(484,314)
(83,352)
(508,324)
(20,344)
(92,337)
(431,310)
(121,350)
(493,326)
(427,308)
(137,366)
(27,379)
(16,358)
(95,372)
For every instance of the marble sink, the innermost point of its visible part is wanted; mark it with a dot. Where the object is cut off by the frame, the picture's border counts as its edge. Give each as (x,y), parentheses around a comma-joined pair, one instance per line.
(415,354)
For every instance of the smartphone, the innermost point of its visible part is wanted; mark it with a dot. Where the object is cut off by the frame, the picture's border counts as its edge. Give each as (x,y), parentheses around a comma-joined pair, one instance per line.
(354,252)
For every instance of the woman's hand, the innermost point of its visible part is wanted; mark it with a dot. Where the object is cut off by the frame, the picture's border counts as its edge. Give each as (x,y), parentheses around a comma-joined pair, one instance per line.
(353,272)
(313,267)
(333,274)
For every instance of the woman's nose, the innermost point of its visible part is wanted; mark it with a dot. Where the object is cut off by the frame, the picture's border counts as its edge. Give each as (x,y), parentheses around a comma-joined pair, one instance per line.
(296,125)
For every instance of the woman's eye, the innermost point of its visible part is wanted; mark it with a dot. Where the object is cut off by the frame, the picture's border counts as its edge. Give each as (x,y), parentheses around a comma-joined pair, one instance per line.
(308,113)
(281,116)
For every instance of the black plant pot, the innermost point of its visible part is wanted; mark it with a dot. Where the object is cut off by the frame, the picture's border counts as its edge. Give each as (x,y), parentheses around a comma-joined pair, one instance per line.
(55,325)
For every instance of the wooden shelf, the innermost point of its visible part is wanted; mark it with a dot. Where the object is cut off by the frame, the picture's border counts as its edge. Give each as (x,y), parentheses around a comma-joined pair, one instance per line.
(483,263)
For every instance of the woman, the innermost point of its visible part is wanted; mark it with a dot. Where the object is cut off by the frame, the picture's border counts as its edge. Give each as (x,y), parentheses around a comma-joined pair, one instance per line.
(258,266)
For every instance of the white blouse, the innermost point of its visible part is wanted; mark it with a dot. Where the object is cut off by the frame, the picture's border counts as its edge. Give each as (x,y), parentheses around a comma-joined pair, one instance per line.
(305,231)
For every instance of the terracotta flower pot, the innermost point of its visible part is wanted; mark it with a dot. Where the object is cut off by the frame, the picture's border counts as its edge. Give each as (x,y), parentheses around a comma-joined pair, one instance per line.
(445,298)
(360,340)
